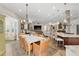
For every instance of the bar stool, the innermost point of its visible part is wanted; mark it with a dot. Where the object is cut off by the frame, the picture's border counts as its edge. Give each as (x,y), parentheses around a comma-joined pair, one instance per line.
(60,42)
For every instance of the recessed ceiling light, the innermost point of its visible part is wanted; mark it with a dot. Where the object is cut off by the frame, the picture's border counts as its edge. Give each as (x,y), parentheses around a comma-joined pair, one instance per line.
(39,10)
(20,10)
(53,7)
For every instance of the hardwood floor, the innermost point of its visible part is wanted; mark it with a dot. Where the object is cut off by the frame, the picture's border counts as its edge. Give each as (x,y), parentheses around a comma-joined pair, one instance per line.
(54,50)
(13,49)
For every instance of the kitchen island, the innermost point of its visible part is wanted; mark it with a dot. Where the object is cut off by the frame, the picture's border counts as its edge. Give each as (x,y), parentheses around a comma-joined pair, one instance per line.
(71,43)
(69,38)
(33,43)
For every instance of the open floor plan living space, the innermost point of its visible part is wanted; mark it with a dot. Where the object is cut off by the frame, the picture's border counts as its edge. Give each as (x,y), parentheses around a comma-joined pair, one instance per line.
(39,29)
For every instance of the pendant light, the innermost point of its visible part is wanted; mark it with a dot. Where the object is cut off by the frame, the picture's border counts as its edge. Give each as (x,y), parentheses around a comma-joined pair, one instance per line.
(26,20)
(27,13)
(67,17)
(67,13)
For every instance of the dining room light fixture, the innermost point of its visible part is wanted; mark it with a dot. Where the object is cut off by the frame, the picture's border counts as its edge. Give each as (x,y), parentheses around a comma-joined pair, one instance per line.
(27,13)
(65,21)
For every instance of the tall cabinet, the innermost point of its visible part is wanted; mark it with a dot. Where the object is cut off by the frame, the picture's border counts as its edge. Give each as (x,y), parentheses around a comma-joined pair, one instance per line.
(2,35)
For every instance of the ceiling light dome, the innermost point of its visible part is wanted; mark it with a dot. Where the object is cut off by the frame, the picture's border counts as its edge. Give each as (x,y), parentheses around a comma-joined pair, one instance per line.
(53,7)
(39,10)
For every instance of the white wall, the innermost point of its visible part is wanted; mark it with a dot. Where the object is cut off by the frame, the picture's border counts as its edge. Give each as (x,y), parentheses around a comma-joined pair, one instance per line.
(11,28)
(75,21)
(4,11)
(10,20)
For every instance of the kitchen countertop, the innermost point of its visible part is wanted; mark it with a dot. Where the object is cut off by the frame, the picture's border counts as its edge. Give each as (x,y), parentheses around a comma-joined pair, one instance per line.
(32,38)
(66,35)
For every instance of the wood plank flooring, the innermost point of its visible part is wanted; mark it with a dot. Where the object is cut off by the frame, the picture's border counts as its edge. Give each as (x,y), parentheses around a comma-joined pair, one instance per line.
(13,49)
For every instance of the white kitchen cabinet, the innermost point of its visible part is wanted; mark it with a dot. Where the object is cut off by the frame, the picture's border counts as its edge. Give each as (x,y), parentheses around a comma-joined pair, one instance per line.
(72,50)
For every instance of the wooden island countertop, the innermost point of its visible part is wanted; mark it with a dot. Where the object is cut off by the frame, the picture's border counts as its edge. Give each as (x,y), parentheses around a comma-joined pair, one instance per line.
(29,42)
